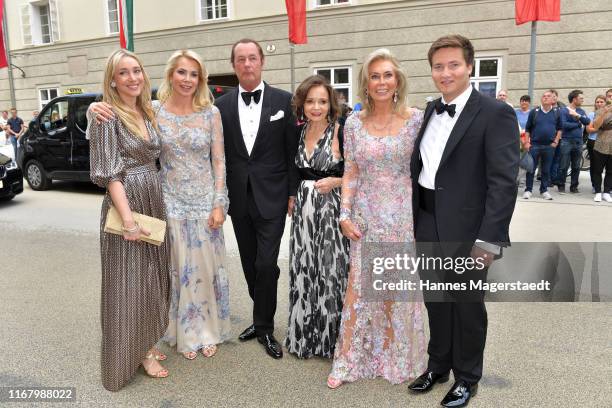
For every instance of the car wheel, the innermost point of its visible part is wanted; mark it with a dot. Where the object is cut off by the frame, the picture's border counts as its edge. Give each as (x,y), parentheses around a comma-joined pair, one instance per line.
(36,176)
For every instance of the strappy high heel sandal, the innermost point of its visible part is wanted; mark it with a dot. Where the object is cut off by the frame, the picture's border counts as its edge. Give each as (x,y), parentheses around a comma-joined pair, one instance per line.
(209,350)
(190,355)
(333,383)
(162,373)
(159,356)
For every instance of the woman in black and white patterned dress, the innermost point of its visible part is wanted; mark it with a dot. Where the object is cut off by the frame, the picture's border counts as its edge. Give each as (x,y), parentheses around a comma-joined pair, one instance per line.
(318,251)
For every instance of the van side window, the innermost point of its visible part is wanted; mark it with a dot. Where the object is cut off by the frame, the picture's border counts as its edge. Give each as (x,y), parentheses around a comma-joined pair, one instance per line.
(55,117)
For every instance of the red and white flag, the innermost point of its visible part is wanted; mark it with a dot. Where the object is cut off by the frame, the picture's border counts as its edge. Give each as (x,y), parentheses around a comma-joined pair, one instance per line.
(537,10)
(296,12)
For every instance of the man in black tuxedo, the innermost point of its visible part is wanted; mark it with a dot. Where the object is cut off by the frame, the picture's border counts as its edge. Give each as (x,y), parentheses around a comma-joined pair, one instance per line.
(464,166)
(260,146)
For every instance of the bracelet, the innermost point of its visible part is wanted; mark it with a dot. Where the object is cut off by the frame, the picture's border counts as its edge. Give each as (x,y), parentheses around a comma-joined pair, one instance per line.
(135,228)
(345,214)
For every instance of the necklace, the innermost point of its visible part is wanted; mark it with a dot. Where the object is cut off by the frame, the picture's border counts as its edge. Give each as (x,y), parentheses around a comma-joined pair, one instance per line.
(384,126)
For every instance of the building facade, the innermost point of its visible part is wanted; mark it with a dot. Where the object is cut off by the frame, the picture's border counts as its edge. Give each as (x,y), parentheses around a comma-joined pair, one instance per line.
(60,46)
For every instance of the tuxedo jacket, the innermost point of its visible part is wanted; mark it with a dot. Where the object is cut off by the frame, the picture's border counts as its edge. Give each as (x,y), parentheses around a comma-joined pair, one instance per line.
(270,168)
(475,186)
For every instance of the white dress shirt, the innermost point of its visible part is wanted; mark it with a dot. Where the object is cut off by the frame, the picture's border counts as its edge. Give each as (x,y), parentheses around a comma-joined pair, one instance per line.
(433,144)
(249,117)
(435,138)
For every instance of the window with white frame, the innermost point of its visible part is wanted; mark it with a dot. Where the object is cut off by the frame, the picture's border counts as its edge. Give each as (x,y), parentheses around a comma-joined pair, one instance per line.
(319,3)
(340,79)
(40,22)
(487,75)
(46,94)
(213,9)
(113,16)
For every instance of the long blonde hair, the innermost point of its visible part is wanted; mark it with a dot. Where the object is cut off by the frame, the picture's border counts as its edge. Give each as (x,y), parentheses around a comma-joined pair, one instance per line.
(127,115)
(202,98)
(402,81)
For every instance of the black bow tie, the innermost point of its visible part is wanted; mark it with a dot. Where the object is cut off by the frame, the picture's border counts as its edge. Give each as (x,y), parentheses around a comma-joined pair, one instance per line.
(246,96)
(441,107)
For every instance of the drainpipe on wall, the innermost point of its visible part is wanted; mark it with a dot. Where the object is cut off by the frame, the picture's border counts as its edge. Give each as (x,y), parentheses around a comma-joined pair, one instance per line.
(8,57)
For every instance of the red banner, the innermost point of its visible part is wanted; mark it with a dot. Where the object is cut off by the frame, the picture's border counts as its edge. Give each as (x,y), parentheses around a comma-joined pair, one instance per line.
(3,62)
(537,10)
(296,12)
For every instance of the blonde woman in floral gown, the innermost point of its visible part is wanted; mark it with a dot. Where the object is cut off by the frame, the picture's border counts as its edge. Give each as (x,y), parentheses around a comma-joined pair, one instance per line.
(378,338)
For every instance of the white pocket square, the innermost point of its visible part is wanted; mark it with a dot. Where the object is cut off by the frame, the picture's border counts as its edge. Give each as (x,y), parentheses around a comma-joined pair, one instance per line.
(279,115)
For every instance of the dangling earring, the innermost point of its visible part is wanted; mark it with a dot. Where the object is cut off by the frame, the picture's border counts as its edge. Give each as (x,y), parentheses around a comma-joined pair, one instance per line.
(366,94)
(113,84)
(395,97)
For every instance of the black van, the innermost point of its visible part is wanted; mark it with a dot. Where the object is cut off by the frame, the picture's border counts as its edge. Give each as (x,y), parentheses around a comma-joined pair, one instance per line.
(55,148)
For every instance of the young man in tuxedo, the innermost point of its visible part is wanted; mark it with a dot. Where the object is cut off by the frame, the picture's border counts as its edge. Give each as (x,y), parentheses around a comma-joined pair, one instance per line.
(260,138)
(464,167)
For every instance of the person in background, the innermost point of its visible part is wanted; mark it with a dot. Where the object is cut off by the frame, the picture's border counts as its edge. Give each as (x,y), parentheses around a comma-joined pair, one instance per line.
(600,102)
(573,120)
(344,109)
(555,174)
(602,152)
(14,129)
(318,253)
(542,135)
(3,123)
(502,96)
(522,112)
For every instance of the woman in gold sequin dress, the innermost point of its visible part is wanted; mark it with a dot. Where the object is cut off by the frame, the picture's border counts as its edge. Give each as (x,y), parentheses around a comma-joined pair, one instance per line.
(135,275)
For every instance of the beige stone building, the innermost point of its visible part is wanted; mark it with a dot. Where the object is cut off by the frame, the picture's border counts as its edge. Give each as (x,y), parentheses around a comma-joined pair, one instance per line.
(58,45)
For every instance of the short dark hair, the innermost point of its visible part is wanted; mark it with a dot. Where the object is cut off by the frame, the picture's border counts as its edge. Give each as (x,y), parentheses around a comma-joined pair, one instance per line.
(246,41)
(574,94)
(453,41)
(299,98)
(525,98)
(609,91)
(554,91)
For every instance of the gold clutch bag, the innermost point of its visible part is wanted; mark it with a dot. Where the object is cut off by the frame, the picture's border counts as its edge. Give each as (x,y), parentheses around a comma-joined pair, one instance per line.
(157,227)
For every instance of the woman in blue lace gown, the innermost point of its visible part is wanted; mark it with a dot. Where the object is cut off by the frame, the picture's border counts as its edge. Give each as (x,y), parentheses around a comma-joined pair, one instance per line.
(378,337)
(193,182)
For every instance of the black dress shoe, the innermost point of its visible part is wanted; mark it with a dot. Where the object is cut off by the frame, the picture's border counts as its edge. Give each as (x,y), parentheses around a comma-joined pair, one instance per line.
(273,348)
(460,394)
(247,334)
(426,381)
